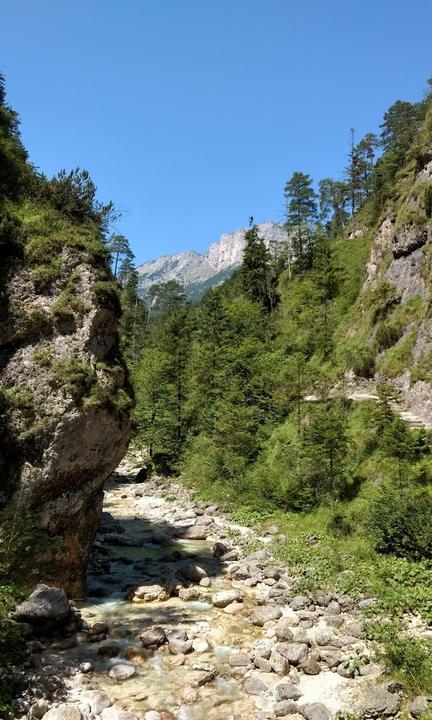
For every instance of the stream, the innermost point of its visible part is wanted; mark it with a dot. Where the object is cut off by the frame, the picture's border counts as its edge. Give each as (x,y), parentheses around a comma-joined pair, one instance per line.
(219,663)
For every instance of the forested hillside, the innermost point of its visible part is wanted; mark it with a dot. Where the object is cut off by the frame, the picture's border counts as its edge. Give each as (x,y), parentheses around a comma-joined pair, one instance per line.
(222,386)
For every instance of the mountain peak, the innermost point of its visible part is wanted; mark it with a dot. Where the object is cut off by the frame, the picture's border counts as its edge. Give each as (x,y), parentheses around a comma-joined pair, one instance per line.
(198,272)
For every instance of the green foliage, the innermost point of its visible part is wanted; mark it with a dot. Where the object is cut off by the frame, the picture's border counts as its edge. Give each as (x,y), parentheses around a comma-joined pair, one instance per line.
(68,303)
(407,658)
(74,195)
(301,214)
(400,522)
(106,295)
(75,375)
(256,272)
(14,171)
(222,387)
(361,358)
(387,335)
(398,357)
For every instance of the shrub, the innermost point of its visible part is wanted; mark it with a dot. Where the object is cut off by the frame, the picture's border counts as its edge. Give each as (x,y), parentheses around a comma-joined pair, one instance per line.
(361,359)
(407,658)
(43,356)
(74,195)
(387,335)
(78,377)
(400,522)
(106,295)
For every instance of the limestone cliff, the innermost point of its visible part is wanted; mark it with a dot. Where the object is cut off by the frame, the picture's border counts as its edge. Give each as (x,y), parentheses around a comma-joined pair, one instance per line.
(64,398)
(394,309)
(199,272)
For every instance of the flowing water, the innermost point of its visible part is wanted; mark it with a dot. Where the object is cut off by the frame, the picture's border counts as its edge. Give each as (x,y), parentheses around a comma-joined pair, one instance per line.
(160,680)
(149,516)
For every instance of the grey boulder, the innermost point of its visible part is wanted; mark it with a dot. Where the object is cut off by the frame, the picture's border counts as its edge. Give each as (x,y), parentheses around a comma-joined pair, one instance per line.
(45,606)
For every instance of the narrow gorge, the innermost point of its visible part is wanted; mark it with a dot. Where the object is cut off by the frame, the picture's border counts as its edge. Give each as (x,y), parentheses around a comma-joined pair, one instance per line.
(216,468)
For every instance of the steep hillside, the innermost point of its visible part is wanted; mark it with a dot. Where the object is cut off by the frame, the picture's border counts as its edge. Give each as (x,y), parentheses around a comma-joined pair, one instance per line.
(391,322)
(200,272)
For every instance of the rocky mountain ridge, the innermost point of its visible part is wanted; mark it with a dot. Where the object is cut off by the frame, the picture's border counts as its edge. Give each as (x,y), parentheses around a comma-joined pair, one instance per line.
(200,271)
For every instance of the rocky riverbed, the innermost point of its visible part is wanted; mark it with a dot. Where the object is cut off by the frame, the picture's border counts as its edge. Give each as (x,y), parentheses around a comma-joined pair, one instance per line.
(182,623)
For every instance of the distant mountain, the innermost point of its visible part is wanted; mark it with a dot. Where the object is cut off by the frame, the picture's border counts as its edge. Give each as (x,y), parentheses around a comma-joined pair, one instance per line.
(200,271)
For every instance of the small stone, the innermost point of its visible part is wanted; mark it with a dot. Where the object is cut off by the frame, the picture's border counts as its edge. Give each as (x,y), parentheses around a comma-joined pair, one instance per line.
(255,686)
(46,605)
(264,614)
(193,572)
(285,707)
(418,706)
(333,608)
(177,634)
(195,532)
(205,677)
(334,620)
(189,594)
(279,663)
(109,648)
(219,549)
(272,530)
(200,645)
(64,712)
(39,709)
(233,608)
(332,658)
(238,659)
(226,597)
(296,653)
(315,711)
(159,538)
(263,664)
(136,655)
(283,631)
(154,637)
(381,701)
(100,628)
(299,602)
(310,667)
(205,582)
(97,700)
(323,636)
(366,603)
(180,647)
(121,672)
(286,691)
(151,593)
(262,648)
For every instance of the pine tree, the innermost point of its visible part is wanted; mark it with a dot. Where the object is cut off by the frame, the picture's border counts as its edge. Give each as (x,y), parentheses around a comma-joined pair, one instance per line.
(155,412)
(301,214)
(333,201)
(256,271)
(325,446)
(119,249)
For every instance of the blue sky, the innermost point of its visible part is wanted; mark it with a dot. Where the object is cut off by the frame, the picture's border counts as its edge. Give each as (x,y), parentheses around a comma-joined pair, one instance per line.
(192,114)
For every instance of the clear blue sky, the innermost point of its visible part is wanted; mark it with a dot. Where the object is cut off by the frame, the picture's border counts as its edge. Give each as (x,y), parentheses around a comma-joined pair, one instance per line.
(191,114)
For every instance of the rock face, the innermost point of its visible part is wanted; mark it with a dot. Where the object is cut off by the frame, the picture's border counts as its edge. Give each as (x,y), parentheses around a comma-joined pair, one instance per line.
(65,406)
(399,272)
(199,272)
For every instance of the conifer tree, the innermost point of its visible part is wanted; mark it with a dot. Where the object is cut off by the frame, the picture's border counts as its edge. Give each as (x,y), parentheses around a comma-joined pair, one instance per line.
(301,214)
(256,271)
